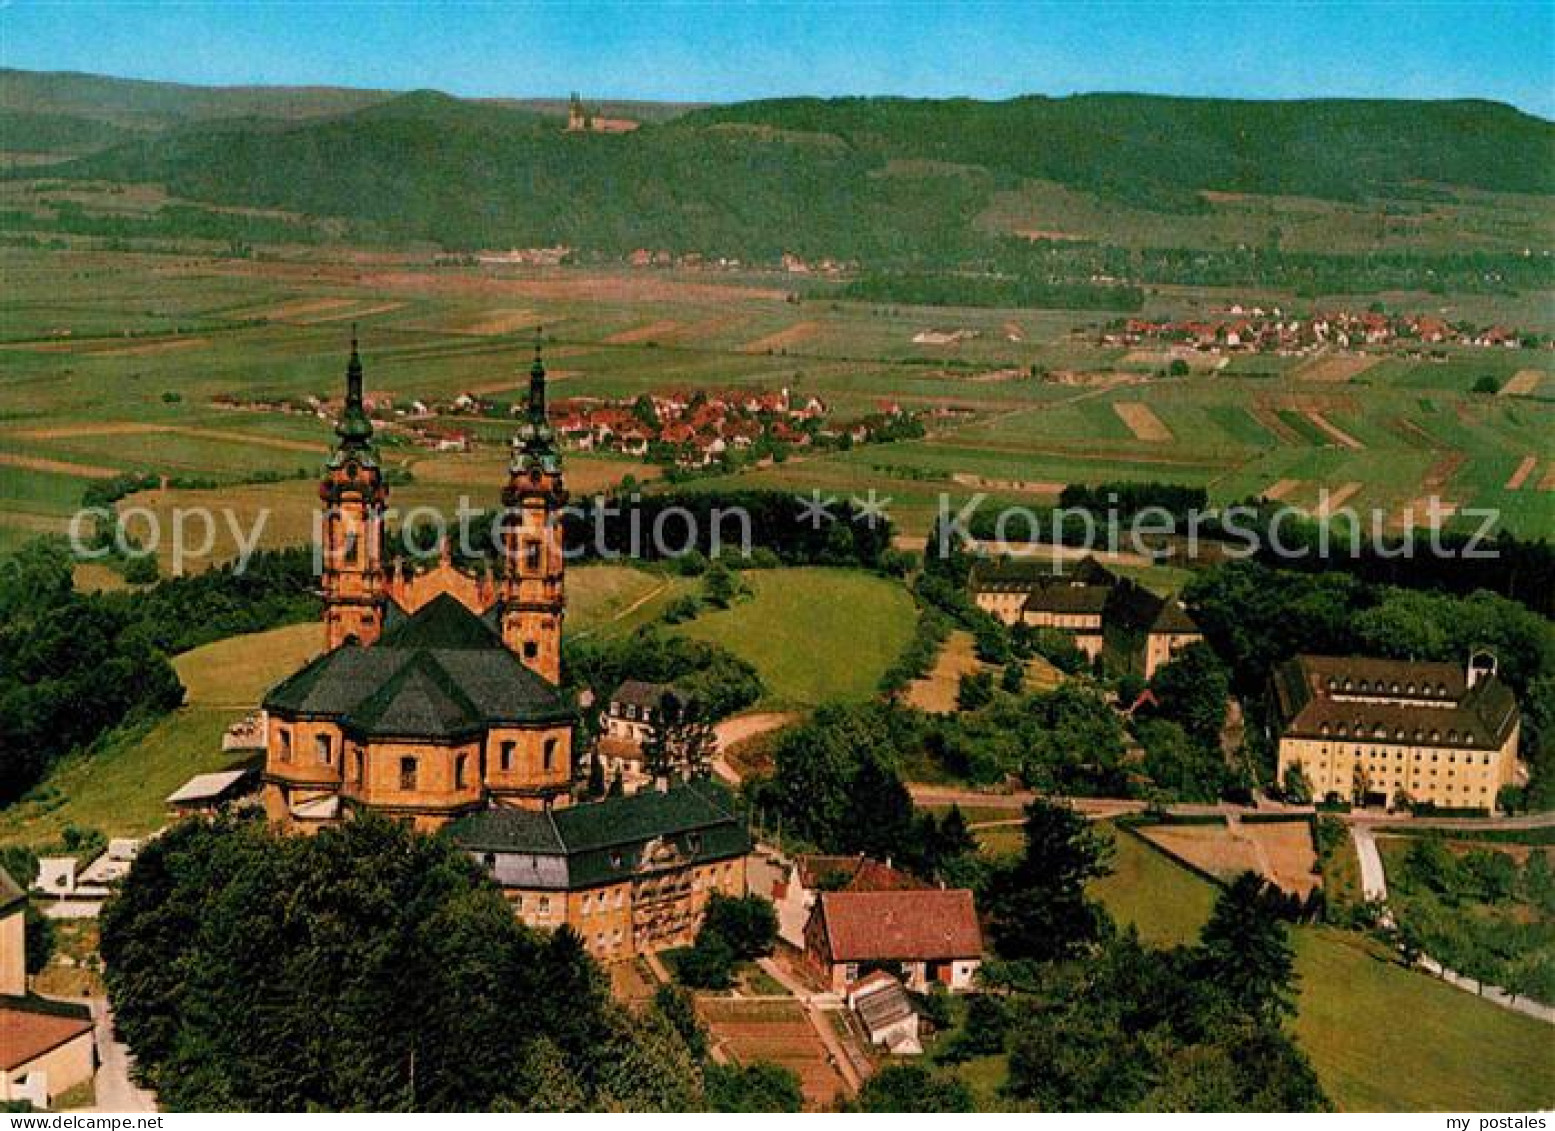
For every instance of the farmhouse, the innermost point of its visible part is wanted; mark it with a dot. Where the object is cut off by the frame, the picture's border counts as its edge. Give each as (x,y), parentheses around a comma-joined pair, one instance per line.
(1394,732)
(625,725)
(437,702)
(1169,632)
(797,884)
(928,937)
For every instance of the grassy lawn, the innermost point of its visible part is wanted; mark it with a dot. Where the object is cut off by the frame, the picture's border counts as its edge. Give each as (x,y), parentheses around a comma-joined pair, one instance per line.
(814,634)
(75,969)
(1001,840)
(120,788)
(985,1076)
(83,1097)
(1385,1039)
(1382,1038)
(611,600)
(1166,903)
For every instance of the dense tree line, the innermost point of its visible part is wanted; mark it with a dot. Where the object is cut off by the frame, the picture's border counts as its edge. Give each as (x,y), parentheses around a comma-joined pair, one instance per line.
(703,524)
(711,522)
(1519,569)
(1309,274)
(836,786)
(170,221)
(373,968)
(719,682)
(75,665)
(1479,913)
(1128,499)
(273,588)
(72,666)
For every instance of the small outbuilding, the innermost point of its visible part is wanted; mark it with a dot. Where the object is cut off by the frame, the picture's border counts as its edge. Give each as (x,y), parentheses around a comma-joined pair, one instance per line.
(207,793)
(886,1012)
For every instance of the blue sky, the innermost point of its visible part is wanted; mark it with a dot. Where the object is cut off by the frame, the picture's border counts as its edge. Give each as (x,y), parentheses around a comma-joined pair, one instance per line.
(717,50)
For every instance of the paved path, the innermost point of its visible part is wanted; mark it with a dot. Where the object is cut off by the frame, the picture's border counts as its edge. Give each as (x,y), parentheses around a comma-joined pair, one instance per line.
(1374,880)
(1374,885)
(1099,808)
(115,1091)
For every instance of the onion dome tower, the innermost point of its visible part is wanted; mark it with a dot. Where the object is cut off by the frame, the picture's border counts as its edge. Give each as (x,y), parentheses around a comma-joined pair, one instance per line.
(533,596)
(351,540)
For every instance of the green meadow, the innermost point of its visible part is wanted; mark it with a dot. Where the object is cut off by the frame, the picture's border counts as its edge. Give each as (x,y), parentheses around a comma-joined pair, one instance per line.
(1381,1037)
(815,635)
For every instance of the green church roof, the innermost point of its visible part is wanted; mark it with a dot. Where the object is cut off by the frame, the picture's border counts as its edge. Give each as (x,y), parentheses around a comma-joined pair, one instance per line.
(441,673)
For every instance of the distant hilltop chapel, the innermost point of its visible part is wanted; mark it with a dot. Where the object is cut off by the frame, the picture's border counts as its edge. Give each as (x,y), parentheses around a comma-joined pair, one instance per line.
(438,702)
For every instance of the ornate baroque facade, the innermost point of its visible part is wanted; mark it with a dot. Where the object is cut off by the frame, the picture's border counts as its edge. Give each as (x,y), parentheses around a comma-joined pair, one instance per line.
(437,701)
(437,694)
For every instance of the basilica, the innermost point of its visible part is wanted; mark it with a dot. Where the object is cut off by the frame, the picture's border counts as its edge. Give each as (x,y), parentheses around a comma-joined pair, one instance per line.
(438,702)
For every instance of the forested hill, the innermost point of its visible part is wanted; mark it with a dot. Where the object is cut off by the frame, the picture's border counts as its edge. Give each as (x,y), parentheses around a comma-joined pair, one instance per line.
(1163,152)
(884,181)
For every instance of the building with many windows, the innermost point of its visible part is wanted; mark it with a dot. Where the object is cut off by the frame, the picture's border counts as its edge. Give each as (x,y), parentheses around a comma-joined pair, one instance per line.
(1388,732)
(1087,602)
(630,874)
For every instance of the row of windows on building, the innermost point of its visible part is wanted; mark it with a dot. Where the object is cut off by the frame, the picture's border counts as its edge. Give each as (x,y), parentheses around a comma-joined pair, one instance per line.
(1416,755)
(1379,687)
(323,749)
(614,898)
(1399,734)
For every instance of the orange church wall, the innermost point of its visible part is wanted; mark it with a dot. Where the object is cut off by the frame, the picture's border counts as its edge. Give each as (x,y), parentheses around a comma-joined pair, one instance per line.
(527,771)
(293,751)
(436,784)
(412,592)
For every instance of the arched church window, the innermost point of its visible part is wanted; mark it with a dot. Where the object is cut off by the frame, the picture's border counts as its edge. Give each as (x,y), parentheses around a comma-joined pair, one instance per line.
(550,753)
(407,774)
(461,766)
(505,756)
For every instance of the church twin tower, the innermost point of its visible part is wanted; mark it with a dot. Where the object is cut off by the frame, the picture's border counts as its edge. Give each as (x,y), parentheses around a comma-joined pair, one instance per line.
(359,588)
